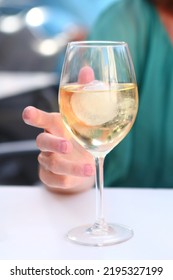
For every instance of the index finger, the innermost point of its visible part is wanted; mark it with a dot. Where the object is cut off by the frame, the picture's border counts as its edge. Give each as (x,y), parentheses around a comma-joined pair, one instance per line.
(50,122)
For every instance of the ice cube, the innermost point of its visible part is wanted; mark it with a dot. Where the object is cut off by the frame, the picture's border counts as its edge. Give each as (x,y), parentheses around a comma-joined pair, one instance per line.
(96,104)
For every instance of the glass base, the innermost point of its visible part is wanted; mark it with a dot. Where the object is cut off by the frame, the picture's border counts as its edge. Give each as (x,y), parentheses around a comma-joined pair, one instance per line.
(96,235)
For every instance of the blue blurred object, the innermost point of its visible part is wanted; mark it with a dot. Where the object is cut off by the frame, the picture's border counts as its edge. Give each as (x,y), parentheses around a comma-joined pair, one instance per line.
(63,13)
(59,14)
(10,7)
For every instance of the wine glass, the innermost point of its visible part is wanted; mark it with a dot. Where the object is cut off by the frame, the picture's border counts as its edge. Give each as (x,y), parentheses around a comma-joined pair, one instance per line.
(98,101)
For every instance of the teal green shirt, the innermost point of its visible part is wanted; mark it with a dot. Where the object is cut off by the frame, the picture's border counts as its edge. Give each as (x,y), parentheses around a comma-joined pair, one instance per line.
(145,157)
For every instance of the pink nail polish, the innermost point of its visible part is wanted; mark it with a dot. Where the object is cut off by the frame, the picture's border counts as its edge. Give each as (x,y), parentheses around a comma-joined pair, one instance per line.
(64,147)
(88,170)
(26,115)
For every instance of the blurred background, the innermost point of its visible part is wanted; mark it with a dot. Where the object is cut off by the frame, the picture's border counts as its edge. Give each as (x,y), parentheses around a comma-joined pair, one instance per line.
(33,39)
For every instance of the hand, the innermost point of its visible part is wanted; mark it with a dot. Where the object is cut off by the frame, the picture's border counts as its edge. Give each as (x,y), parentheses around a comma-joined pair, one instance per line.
(64,165)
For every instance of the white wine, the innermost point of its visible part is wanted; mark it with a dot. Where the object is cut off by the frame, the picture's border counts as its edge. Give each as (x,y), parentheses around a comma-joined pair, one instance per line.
(97,115)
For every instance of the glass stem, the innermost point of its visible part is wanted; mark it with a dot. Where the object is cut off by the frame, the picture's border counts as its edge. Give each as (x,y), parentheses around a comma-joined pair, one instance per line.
(99,181)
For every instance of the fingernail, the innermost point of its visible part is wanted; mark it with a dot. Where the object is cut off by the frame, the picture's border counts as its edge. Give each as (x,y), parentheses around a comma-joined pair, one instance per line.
(88,170)
(26,115)
(64,147)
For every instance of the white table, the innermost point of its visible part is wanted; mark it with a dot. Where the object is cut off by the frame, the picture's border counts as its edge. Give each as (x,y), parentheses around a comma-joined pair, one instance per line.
(33,223)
